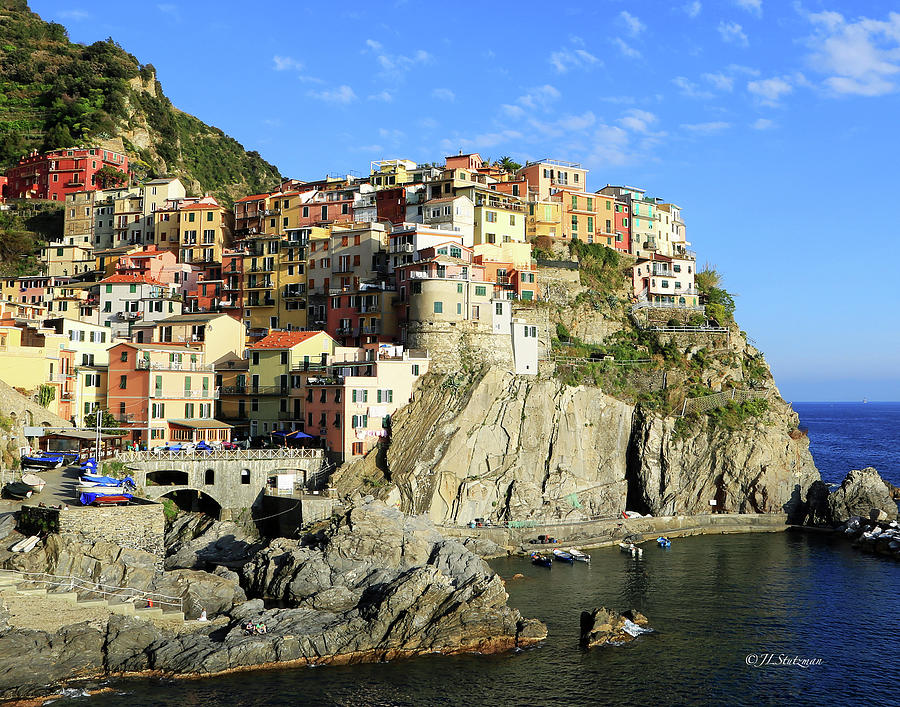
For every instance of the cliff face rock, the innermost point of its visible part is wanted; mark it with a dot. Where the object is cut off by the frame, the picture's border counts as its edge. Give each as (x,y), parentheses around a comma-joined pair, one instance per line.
(375,585)
(509,448)
(861,492)
(759,469)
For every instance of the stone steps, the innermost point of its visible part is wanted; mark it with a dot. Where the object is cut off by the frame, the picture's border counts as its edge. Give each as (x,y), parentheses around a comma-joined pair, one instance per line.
(12,584)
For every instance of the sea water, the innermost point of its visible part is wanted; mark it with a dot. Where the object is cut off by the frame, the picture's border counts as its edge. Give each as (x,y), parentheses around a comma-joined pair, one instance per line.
(742,619)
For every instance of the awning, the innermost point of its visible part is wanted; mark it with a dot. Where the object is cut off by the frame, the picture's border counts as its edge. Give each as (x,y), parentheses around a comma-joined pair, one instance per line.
(201,424)
(287,434)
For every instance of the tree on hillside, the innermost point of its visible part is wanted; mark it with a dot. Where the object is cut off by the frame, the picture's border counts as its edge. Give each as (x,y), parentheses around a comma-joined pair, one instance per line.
(108,423)
(719,302)
(109,177)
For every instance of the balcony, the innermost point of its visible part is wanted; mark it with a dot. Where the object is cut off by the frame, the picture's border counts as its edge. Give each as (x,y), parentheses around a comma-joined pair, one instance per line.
(145,365)
(662,272)
(265,302)
(265,267)
(271,212)
(184,394)
(258,284)
(325,380)
(370,329)
(402,248)
(268,390)
(291,292)
(233,390)
(502,205)
(127,316)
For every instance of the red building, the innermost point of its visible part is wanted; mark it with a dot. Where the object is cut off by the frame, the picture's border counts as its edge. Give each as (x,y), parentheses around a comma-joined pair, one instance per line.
(390,204)
(57,173)
(623,226)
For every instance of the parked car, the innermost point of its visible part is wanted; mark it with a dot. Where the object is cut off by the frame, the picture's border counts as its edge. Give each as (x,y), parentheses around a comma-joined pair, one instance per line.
(230,445)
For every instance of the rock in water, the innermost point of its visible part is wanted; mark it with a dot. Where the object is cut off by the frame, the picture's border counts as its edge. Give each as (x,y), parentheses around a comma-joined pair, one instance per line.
(860,493)
(605,627)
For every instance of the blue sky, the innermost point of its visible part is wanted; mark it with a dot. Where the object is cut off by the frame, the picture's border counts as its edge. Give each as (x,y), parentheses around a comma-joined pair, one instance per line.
(772,124)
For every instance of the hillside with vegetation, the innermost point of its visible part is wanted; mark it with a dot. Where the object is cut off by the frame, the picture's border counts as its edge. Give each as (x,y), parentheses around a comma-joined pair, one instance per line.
(57,93)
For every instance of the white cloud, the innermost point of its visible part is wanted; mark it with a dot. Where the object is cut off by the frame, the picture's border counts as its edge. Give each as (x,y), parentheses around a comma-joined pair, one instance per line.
(383,96)
(512,111)
(626,50)
(572,58)
(539,97)
(770,91)
(74,14)
(391,134)
(169,9)
(574,123)
(395,66)
(285,63)
(341,94)
(720,81)
(637,120)
(692,9)
(443,94)
(706,128)
(733,33)
(690,89)
(763,124)
(632,23)
(754,6)
(612,146)
(369,148)
(862,57)
(490,139)
(428,123)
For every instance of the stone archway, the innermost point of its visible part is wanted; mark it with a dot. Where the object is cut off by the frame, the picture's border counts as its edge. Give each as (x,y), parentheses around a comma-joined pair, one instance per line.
(194,501)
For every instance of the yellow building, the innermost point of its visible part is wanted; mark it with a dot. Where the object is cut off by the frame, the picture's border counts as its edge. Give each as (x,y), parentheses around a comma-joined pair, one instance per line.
(271,361)
(385,174)
(204,231)
(544,219)
(499,218)
(31,358)
(587,217)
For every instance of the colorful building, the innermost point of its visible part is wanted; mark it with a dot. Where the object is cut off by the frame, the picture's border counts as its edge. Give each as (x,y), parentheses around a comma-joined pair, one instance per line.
(55,174)
(163,393)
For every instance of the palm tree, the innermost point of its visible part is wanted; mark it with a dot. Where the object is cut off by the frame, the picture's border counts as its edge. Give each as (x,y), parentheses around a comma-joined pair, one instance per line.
(507,164)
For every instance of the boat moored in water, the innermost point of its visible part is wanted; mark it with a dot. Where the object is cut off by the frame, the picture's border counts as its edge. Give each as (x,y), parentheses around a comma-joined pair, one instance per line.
(541,560)
(579,556)
(563,556)
(663,541)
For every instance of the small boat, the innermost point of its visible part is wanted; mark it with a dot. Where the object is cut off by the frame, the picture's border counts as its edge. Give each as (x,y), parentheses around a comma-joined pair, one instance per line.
(48,460)
(541,560)
(111,500)
(25,544)
(95,496)
(18,489)
(631,549)
(105,484)
(563,556)
(579,556)
(663,541)
(34,481)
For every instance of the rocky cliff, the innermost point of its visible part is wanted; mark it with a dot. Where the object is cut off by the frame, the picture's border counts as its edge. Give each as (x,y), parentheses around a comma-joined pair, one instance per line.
(519,448)
(374,585)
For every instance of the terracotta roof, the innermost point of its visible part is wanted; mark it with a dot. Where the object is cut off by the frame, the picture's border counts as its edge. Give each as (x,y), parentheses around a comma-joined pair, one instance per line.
(283,339)
(202,205)
(254,197)
(132,279)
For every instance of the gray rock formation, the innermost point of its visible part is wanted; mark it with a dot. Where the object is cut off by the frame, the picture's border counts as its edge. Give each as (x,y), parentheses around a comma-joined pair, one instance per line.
(861,491)
(195,541)
(113,566)
(374,586)
(516,448)
(602,627)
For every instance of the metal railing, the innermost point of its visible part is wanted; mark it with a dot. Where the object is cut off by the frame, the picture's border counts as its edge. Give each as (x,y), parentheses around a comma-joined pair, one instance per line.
(144,364)
(185,394)
(221,454)
(76,584)
(667,305)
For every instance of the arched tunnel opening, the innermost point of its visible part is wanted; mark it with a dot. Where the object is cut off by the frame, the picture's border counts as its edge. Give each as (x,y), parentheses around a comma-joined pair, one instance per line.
(194,502)
(168,477)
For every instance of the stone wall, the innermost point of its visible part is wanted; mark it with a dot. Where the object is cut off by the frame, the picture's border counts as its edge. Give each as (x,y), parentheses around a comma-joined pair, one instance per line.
(137,527)
(21,411)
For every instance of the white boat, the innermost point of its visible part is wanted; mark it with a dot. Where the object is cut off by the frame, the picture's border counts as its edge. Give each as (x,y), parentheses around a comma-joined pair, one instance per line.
(35,481)
(24,543)
(631,549)
(580,556)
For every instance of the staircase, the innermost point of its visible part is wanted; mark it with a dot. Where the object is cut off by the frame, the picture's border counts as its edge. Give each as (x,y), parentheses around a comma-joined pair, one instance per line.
(145,605)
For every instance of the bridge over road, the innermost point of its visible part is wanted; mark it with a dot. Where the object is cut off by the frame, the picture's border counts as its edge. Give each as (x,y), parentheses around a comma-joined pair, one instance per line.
(225,482)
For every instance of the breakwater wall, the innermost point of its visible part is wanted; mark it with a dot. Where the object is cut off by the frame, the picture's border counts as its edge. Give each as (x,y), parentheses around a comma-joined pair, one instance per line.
(609,531)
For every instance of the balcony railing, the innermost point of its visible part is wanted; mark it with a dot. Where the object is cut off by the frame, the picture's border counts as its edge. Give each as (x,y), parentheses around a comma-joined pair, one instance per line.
(185,394)
(402,248)
(144,364)
(266,302)
(271,212)
(267,390)
(325,380)
(660,272)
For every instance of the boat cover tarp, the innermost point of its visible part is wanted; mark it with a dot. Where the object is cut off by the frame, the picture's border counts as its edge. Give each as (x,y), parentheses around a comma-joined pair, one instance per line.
(108,480)
(87,497)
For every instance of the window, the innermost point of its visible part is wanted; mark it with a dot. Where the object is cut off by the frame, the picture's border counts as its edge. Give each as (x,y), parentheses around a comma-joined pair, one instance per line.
(360,395)
(209,477)
(625,222)
(574,223)
(284,357)
(188,410)
(459,307)
(245,477)
(590,224)
(676,268)
(124,356)
(415,369)
(356,448)
(385,396)
(512,219)
(255,358)
(438,307)
(490,217)
(498,308)
(191,217)
(360,421)
(123,381)
(481,290)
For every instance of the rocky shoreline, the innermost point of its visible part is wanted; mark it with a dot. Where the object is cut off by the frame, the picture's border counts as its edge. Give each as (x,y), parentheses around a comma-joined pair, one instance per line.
(373,585)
